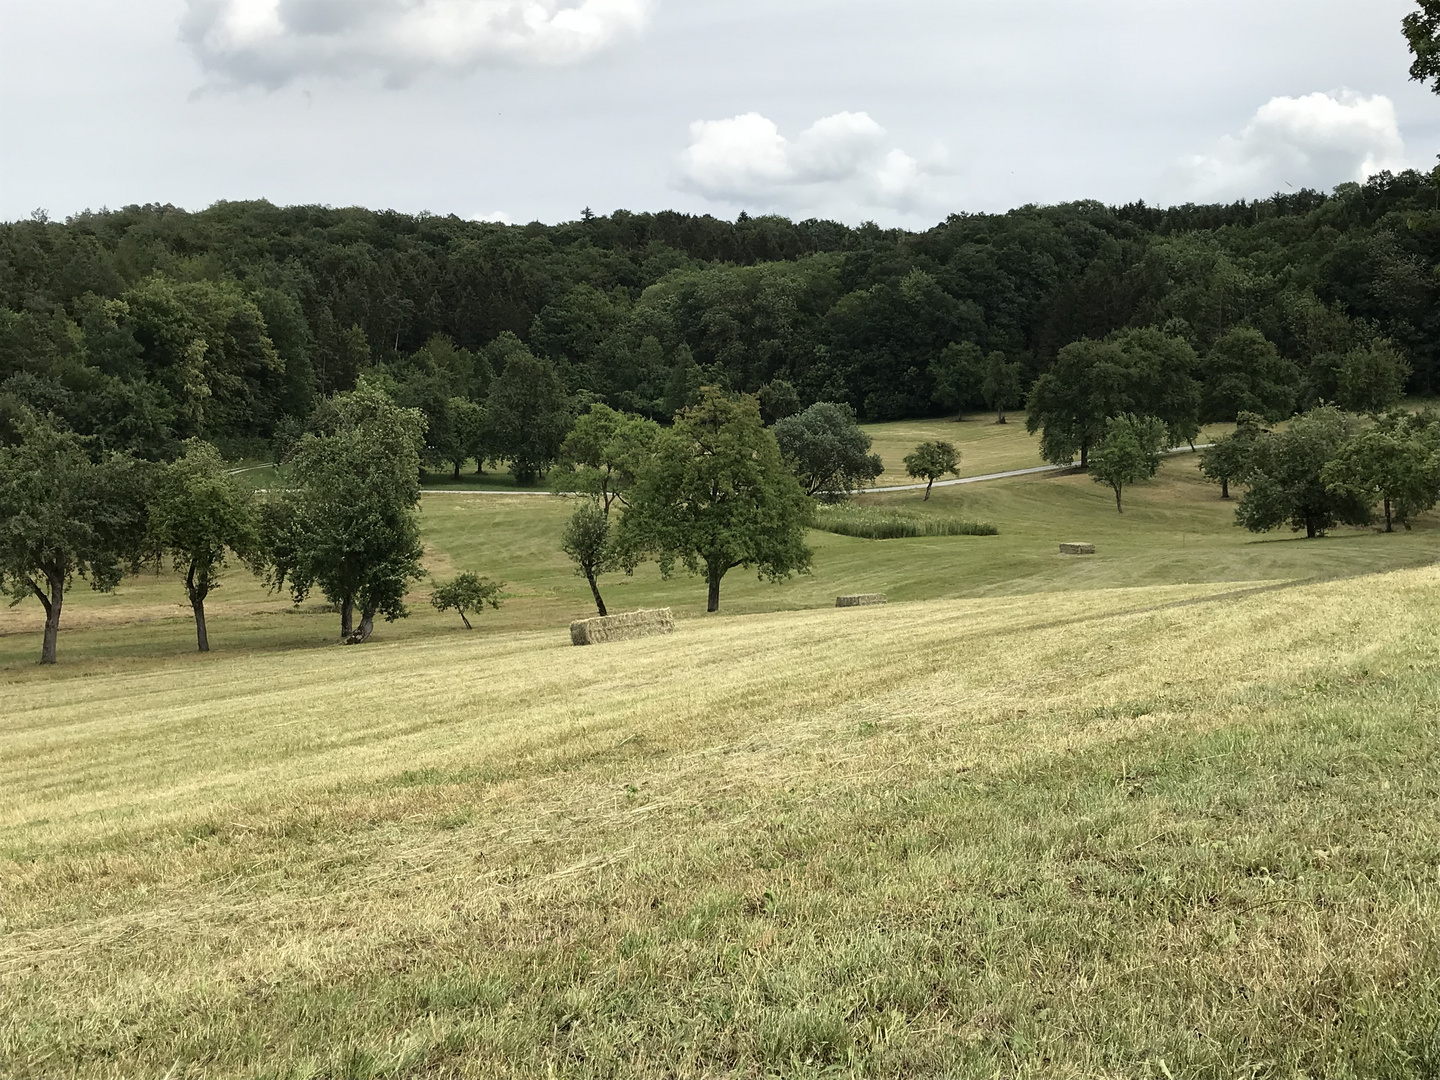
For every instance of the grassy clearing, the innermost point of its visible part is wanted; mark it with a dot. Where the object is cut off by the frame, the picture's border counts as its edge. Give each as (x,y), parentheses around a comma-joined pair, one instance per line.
(872,523)
(1182,830)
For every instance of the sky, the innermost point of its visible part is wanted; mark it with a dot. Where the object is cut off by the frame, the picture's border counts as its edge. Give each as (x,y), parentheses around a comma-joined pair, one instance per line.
(896,111)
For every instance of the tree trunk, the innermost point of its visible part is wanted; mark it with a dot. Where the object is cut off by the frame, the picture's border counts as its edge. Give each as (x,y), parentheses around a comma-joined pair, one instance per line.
(1118,508)
(457,472)
(1084,455)
(347,618)
(464,619)
(53,604)
(1224,487)
(364,630)
(198,592)
(1309,530)
(1388,526)
(928,486)
(714,576)
(599,603)
(1000,418)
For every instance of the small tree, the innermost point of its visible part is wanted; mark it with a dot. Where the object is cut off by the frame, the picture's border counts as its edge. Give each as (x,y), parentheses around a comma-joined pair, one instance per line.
(349,522)
(1286,478)
(62,514)
(467,593)
(1129,452)
(1001,386)
(586,540)
(1224,461)
(1372,378)
(931,460)
(828,452)
(1395,467)
(197,515)
(602,452)
(958,373)
(716,495)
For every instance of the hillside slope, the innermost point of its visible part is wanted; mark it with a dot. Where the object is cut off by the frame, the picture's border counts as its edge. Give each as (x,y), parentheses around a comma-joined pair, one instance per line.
(1183,830)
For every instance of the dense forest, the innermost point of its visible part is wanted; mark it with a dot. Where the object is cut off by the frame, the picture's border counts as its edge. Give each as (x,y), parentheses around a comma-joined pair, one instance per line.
(149,325)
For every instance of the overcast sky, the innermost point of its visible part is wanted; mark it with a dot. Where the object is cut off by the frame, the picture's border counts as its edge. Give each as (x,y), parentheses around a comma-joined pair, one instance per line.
(900,111)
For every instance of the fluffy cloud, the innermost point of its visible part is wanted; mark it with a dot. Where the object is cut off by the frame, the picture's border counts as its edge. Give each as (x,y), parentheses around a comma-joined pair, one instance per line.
(842,158)
(273,42)
(1317,141)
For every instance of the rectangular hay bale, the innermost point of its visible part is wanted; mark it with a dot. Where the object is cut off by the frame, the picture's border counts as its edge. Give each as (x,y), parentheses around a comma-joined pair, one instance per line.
(628,627)
(862,600)
(1077,549)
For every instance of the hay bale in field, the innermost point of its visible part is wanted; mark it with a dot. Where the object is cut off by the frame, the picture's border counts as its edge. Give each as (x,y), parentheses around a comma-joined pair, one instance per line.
(863,600)
(1077,549)
(627,627)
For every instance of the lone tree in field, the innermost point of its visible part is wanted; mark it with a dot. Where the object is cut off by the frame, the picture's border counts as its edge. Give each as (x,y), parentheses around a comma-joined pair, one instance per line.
(602,452)
(62,514)
(1001,386)
(828,452)
(349,525)
(1286,478)
(198,515)
(716,495)
(587,541)
(1398,468)
(1225,460)
(1129,452)
(467,593)
(931,460)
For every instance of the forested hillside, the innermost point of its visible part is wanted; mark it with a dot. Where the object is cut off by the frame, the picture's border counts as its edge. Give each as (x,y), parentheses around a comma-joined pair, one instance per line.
(148,325)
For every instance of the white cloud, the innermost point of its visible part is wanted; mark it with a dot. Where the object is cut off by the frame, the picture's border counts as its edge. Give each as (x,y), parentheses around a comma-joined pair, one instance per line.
(839,159)
(1316,141)
(273,42)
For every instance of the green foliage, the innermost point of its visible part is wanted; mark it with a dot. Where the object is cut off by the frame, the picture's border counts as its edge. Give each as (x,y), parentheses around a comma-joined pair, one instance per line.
(197,515)
(828,452)
(1372,378)
(1396,463)
(873,523)
(716,495)
(465,595)
(587,540)
(1286,477)
(1129,453)
(1001,385)
(931,460)
(602,452)
(527,413)
(1224,461)
(349,523)
(959,374)
(1243,372)
(778,399)
(1422,32)
(63,514)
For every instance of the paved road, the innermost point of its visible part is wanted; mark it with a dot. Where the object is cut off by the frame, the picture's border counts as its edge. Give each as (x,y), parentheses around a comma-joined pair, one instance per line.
(868,491)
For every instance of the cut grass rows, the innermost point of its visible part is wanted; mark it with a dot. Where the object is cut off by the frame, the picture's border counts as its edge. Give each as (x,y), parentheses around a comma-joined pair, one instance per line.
(1075,834)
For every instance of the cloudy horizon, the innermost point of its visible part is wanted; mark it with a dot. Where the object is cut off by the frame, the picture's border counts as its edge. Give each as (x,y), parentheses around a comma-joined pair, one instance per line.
(900,112)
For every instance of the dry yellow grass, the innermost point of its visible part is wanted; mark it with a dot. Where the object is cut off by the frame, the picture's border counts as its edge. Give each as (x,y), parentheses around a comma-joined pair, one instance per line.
(1122,832)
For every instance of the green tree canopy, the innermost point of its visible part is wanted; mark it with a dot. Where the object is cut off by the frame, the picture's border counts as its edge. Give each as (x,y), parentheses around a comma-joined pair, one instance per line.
(1225,460)
(349,523)
(716,495)
(1001,385)
(828,452)
(959,375)
(1129,453)
(1371,378)
(198,515)
(63,514)
(1286,477)
(528,413)
(1397,467)
(587,540)
(603,451)
(465,595)
(1245,373)
(931,460)
(1422,31)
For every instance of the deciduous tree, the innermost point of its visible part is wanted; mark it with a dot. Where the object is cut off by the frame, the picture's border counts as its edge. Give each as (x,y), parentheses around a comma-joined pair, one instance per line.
(587,541)
(931,460)
(1001,386)
(468,593)
(528,414)
(198,515)
(828,452)
(603,451)
(1224,461)
(1129,453)
(716,495)
(1287,482)
(1399,469)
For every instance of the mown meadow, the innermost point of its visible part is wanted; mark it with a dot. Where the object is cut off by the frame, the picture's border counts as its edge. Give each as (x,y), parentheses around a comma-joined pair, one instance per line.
(1167,811)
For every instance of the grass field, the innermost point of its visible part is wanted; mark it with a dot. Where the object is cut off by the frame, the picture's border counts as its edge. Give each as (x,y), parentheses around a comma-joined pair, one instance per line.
(1170,811)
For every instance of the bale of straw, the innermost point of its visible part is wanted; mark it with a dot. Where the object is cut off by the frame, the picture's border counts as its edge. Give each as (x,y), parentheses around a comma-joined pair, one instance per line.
(1077,549)
(863,600)
(627,627)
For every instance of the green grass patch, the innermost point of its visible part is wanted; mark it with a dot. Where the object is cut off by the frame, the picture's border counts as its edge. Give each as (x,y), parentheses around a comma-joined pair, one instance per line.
(873,523)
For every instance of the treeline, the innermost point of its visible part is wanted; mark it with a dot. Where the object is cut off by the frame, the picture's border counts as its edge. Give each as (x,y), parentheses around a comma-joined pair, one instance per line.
(143,327)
